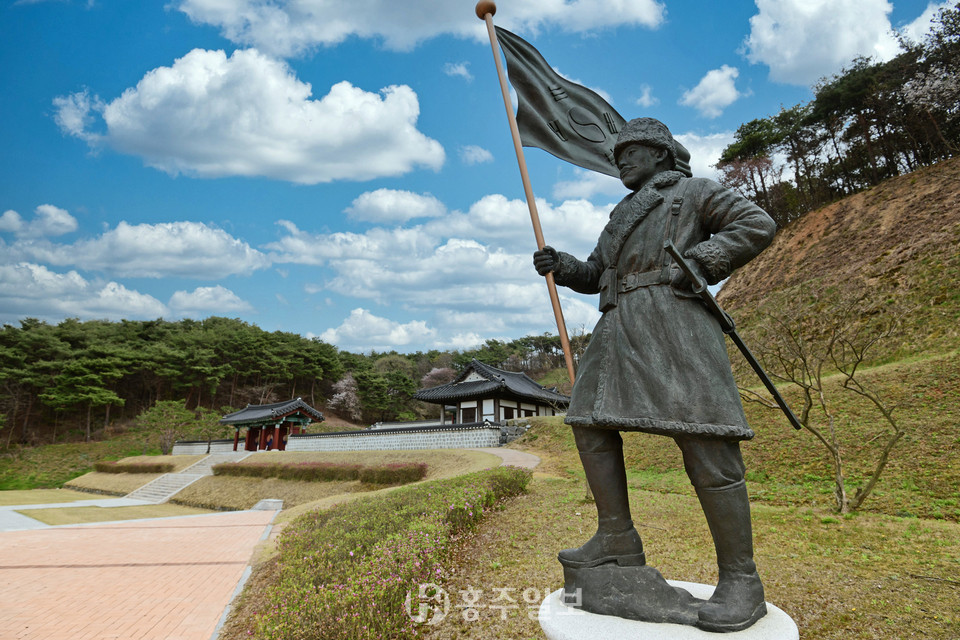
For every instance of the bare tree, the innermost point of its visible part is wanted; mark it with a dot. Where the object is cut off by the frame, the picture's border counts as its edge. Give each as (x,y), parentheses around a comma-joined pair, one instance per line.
(820,345)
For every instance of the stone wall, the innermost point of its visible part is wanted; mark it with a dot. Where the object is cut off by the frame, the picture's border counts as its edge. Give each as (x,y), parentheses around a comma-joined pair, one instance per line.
(386,439)
(393,439)
(199,447)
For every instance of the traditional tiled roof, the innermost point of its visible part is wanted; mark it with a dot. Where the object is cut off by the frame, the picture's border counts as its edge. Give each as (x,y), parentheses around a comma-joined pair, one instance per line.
(266,413)
(488,382)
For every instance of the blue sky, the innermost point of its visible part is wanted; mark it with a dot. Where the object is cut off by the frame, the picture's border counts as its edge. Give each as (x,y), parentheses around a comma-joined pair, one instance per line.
(344,169)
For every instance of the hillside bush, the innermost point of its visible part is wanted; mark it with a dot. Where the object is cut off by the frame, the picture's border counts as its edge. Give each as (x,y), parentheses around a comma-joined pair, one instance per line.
(133,467)
(396,473)
(348,572)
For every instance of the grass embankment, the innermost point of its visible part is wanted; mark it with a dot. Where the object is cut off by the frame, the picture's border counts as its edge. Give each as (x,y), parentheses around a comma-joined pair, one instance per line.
(787,467)
(50,466)
(862,577)
(120,484)
(344,573)
(40,496)
(80,515)
(226,492)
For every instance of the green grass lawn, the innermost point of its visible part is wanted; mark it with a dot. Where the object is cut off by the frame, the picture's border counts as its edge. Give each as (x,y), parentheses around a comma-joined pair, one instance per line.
(79,515)
(864,577)
(41,496)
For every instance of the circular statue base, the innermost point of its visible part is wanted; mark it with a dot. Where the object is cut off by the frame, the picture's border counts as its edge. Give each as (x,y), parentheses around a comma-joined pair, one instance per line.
(561,622)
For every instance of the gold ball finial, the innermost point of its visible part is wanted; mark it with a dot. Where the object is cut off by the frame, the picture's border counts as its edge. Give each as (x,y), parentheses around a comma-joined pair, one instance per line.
(484,7)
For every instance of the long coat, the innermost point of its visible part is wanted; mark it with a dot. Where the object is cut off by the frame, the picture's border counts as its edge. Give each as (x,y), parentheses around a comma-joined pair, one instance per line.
(657,361)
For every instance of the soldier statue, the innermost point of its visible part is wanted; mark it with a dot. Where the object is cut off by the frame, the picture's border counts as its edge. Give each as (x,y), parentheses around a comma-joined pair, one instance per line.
(657,361)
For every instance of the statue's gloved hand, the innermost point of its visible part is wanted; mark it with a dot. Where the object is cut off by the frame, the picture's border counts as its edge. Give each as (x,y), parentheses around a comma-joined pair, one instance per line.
(546,260)
(679,280)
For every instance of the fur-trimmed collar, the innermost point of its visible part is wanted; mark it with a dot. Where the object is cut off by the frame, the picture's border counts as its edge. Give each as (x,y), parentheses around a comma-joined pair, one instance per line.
(663,179)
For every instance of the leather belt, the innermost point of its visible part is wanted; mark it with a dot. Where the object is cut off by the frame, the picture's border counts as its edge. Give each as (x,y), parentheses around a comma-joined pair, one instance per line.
(639,279)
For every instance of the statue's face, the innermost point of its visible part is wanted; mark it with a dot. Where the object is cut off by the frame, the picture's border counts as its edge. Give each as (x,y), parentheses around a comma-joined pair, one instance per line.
(638,163)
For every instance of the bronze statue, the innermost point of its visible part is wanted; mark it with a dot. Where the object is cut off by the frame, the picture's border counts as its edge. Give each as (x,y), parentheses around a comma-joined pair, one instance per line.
(657,363)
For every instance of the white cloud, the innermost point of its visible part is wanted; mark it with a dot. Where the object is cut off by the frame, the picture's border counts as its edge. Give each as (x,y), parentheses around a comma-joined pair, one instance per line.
(804,40)
(74,114)
(184,249)
(705,151)
(204,301)
(918,28)
(291,27)
(391,206)
(28,289)
(209,115)
(362,330)
(715,92)
(10,222)
(587,184)
(470,272)
(458,69)
(472,154)
(647,99)
(48,221)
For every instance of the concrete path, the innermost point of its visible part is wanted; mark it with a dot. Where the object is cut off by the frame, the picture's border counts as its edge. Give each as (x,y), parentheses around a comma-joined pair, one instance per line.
(513,458)
(158,579)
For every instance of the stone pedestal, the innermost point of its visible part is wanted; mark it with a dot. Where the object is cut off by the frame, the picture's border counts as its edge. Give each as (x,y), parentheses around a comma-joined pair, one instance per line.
(562,622)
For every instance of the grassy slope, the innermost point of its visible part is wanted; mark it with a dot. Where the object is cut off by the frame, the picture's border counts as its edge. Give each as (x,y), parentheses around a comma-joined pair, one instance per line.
(786,467)
(899,239)
(50,466)
(865,577)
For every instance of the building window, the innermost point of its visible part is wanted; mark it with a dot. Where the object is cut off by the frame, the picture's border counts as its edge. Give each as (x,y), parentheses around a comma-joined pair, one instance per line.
(468,415)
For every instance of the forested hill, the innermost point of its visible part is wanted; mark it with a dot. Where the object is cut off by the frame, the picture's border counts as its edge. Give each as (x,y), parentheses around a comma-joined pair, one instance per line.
(894,248)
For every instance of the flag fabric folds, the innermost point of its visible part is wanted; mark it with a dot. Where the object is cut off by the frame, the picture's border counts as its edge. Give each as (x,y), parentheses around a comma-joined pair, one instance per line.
(562,117)
(556,115)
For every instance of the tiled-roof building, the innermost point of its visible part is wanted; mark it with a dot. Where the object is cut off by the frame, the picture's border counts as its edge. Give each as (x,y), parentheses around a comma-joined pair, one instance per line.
(268,425)
(482,392)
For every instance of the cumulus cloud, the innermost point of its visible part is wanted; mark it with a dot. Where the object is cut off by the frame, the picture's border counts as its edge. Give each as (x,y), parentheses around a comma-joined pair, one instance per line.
(646,98)
(467,269)
(362,330)
(587,184)
(11,222)
(48,221)
(472,154)
(203,301)
(705,151)
(386,206)
(28,289)
(715,92)
(918,28)
(291,27)
(209,115)
(458,69)
(184,249)
(804,40)
(467,272)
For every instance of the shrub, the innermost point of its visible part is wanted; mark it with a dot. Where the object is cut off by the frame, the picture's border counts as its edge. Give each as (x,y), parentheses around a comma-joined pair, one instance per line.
(397,473)
(344,573)
(133,467)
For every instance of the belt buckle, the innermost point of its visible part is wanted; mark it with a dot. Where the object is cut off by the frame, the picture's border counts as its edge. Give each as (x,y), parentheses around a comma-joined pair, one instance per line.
(630,281)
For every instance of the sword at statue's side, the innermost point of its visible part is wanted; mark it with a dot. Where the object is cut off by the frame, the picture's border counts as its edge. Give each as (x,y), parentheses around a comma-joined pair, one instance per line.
(485,11)
(729,328)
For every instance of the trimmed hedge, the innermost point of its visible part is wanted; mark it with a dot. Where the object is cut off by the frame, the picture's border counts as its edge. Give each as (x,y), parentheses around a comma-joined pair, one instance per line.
(111,466)
(395,473)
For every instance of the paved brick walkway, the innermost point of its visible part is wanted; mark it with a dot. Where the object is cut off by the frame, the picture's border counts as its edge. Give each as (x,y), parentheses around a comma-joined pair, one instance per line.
(166,579)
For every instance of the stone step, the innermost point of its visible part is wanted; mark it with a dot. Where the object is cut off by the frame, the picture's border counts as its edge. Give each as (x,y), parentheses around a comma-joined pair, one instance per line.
(164,487)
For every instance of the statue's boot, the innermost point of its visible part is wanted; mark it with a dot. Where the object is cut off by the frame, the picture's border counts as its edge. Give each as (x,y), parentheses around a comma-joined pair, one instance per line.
(616,539)
(738,600)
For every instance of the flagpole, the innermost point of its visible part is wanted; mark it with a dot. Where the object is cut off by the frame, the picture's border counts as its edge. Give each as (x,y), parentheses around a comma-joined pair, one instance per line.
(485,11)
